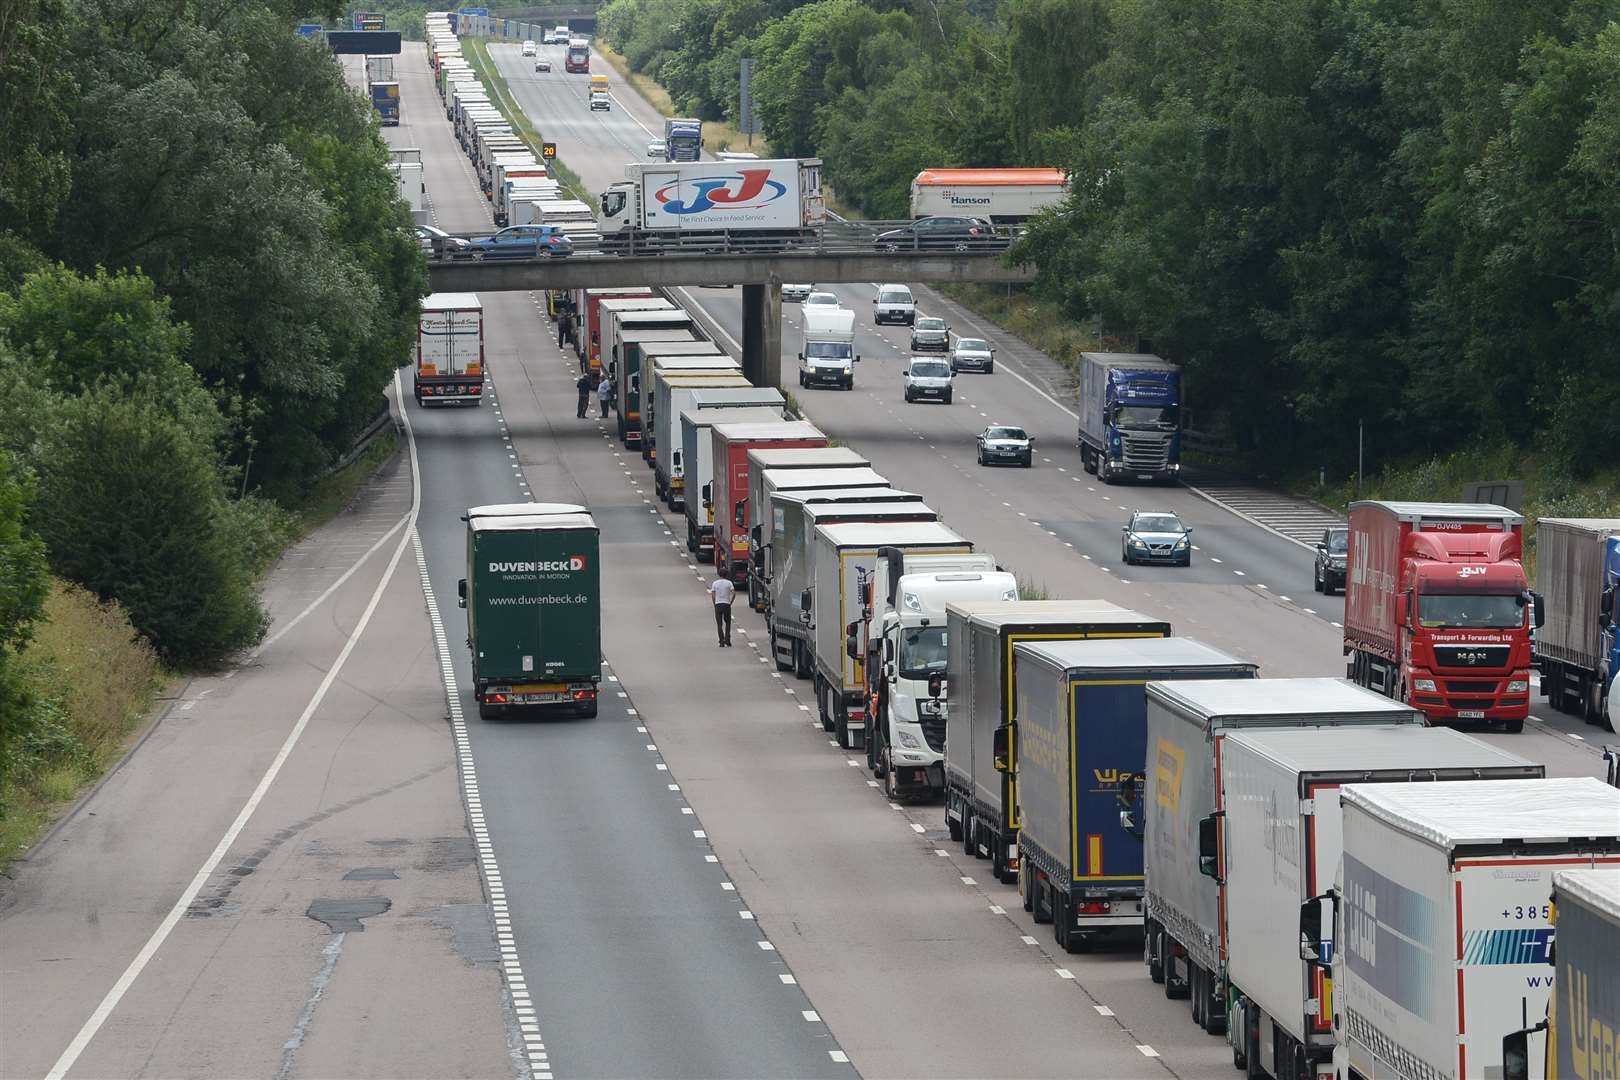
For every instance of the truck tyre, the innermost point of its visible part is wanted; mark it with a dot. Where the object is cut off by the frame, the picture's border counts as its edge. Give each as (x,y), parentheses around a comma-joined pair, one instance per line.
(1195,989)
(1212,1017)
(1175,987)
(801,660)
(1513,727)
(969,828)
(1062,919)
(1042,911)
(953,826)
(1251,1046)
(1593,701)
(1153,945)
(588,711)
(990,368)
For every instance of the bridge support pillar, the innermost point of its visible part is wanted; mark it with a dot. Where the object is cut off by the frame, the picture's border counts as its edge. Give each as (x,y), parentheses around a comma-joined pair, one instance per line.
(762,333)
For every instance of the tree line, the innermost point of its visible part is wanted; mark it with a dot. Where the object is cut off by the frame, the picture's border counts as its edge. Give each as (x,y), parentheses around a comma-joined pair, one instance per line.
(1391,216)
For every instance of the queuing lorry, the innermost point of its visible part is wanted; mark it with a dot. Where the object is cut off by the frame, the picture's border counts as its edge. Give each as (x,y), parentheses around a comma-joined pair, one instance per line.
(1582,1028)
(379,69)
(712,205)
(1003,196)
(636,359)
(675,393)
(683,138)
(700,412)
(981,799)
(778,463)
(902,638)
(1130,417)
(533,596)
(617,325)
(1577,647)
(577,61)
(828,357)
(1439,930)
(839,554)
(672,366)
(1437,610)
(385,102)
(1081,711)
(589,315)
(660,422)
(449,349)
(1279,846)
(1183,798)
(728,493)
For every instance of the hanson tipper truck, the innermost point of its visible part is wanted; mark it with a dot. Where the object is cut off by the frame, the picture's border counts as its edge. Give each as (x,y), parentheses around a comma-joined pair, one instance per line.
(1003,196)
(706,205)
(449,349)
(1437,611)
(1082,741)
(1130,417)
(830,608)
(727,496)
(981,793)
(635,363)
(1583,1017)
(1578,646)
(1439,929)
(533,596)
(902,637)
(1183,801)
(1279,848)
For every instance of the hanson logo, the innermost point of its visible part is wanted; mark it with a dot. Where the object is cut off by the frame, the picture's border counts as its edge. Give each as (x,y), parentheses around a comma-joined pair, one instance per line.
(574,564)
(748,190)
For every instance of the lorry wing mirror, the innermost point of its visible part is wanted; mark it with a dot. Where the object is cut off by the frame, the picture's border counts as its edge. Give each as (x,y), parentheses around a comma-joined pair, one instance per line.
(1001,748)
(888,651)
(740,518)
(804,601)
(461,593)
(1516,1053)
(1208,845)
(852,640)
(936,684)
(801,358)
(1315,948)
(1537,611)
(708,490)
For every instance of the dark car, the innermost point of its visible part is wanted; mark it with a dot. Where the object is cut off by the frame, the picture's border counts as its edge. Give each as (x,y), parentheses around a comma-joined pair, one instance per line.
(935,233)
(1331,552)
(1155,536)
(930,334)
(522,242)
(1000,443)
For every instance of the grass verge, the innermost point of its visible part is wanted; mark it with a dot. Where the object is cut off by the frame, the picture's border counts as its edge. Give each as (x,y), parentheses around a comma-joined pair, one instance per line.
(333,492)
(1040,323)
(718,135)
(478,56)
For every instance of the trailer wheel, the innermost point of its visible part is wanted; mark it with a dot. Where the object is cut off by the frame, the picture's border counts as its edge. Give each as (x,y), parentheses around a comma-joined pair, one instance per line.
(1153,945)
(1062,918)
(1175,987)
(1593,702)
(1042,911)
(952,825)
(801,662)
(1195,988)
(1025,891)
(1212,1017)
(969,830)
(1251,1046)
(588,711)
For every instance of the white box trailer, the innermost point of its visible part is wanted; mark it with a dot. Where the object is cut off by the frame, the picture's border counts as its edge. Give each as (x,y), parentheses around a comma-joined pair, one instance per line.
(1444,918)
(1281,839)
(409,178)
(449,349)
(697,408)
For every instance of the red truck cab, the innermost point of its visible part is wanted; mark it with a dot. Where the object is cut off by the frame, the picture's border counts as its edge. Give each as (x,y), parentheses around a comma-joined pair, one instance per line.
(1438,612)
(729,491)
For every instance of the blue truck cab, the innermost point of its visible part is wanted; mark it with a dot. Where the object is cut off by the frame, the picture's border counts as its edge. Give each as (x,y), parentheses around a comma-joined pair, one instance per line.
(683,139)
(1130,417)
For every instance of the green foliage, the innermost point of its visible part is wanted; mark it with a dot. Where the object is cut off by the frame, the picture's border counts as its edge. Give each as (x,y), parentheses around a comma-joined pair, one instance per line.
(38,91)
(23,584)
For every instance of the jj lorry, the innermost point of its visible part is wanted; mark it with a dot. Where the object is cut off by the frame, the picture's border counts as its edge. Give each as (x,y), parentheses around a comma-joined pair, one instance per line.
(683,138)
(1003,196)
(1439,930)
(635,364)
(1183,799)
(449,349)
(1437,610)
(839,554)
(712,205)
(829,356)
(1577,646)
(533,596)
(1082,743)
(1130,417)
(981,791)
(1279,846)
(902,639)
(725,495)
(1582,1028)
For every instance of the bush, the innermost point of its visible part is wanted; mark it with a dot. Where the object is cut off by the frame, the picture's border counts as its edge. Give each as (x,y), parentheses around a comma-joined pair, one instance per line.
(22,592)
(133,510)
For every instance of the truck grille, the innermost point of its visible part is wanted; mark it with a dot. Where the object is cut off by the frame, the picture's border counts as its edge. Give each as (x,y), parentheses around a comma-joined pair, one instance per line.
(1471,686)
(934,733)
(1454,656)
(1146,451)
(1471,703)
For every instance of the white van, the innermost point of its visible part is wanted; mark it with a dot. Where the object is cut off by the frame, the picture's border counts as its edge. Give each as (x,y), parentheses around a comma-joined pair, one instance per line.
(894,303)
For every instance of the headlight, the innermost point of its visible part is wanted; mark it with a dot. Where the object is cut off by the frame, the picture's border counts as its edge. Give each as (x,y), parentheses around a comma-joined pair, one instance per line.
(1182,542)
(1425,685)
(909,741)
(1519,686)
(1010,594)
(1138,542)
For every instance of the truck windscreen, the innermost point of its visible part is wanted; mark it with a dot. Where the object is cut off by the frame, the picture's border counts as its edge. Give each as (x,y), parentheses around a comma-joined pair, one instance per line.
(1478,611)
(922,652)
(1146,417)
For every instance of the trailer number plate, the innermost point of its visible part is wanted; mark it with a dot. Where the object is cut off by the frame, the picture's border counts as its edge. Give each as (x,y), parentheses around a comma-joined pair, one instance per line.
(1471,714)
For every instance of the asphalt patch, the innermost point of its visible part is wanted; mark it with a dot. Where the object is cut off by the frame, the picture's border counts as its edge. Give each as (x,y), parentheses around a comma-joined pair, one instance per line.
(342,916)
(371,873)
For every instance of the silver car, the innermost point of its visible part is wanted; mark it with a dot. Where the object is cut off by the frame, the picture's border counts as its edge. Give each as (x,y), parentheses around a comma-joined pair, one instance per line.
(1001,444)
(928,378)
(655,148)
(796,294)
(438,244)
(1155,536)
(973,354)
(930,334)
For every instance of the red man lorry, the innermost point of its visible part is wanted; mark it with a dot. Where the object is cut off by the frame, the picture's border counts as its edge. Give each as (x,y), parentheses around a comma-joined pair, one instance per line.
(729,495)
(1437,609)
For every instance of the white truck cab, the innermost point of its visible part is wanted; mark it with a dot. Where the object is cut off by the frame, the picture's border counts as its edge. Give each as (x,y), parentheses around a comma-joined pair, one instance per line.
(906,650)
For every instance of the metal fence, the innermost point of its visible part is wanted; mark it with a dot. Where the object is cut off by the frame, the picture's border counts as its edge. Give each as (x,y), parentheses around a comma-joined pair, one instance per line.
(833,238)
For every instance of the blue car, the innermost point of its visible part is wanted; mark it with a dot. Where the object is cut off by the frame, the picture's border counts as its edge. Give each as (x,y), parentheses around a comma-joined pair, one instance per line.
(522,242)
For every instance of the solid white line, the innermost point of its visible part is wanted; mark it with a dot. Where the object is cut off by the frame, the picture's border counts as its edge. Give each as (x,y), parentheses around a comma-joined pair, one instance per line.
(161,934)
(334,587)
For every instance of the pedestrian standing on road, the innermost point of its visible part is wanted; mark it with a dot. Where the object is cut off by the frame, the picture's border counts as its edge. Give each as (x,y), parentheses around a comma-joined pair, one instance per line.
(584,388)
(562,329)
(722,590)
(604,396)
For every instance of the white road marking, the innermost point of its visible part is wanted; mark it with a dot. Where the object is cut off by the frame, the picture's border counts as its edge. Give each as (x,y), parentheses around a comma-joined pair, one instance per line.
(1027,940)
(942,853)
(728,886)
(1103,1010)
(711,858)
(746,914)
(917,828)
(699,834)
(1147,1051)
(787,980)
(1064,973)
(686,810)
(838,1056)
(969,881)
(810,1015)
(997,909)
(765,946)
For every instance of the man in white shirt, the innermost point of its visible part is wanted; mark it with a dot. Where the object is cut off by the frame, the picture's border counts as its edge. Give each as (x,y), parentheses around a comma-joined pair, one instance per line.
(721,590)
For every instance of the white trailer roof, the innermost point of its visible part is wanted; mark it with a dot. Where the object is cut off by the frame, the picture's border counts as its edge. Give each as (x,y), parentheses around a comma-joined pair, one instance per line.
(1493,811)
(1046,612)
(783,429)
(1597,886)
(741,413)
(451,301)
(1116,654)
(1354,749)
(1595,526)
(884,503)
(737,395)
(685,362)
(804,479)
(494,510)
(536,521)
(1278,697)
(804,457)
(876,534)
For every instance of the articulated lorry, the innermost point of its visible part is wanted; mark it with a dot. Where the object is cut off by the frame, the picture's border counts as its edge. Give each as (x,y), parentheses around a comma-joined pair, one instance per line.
(661,409)
(713,205)
(617,323)
(679,394)
(1082,742)
(727,492)
(829,356)
(385,102)
(674,366)
(1439,930)
(1130,417)
(839,554)
(1002,196)
(683,138)
(902,636)
(981,790)
(449,349)
(1582,1028)
(577,61)
(1184,799)
(592,315)
(1279,847)
(694,462)
(1577,647)
(1437,611)
(533,594)
(636,362)
(769,459)
(765,484)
